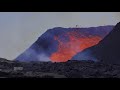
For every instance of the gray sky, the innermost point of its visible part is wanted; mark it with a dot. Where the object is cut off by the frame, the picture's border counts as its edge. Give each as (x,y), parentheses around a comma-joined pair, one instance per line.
(18,30)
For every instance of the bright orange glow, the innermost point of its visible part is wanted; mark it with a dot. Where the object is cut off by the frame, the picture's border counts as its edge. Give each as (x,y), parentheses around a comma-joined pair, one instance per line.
(76,43)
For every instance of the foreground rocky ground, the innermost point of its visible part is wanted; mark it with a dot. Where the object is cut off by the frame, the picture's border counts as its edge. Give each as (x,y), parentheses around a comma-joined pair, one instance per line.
(70,69)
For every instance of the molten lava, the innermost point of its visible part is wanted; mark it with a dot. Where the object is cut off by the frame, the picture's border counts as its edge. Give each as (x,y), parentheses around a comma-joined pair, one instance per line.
(76,43)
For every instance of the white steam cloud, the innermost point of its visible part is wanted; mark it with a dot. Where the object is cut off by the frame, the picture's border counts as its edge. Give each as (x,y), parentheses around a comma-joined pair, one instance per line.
(43,57)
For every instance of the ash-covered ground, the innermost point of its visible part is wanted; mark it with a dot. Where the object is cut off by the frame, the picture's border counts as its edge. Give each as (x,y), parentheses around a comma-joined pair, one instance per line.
(69,69)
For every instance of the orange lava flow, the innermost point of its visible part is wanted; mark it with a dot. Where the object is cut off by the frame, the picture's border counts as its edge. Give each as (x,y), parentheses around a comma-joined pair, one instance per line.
(66,50)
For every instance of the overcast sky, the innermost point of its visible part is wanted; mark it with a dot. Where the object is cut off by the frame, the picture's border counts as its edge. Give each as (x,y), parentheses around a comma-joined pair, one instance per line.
(18,30)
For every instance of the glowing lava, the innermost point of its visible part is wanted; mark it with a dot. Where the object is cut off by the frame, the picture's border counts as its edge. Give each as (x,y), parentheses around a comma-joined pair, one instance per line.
(75,44)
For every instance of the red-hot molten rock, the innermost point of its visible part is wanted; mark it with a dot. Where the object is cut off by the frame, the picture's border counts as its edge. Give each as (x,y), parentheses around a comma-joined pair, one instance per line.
(76,43)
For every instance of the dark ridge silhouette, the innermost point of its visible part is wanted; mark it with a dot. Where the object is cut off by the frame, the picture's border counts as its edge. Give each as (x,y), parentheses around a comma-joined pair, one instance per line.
(107,50)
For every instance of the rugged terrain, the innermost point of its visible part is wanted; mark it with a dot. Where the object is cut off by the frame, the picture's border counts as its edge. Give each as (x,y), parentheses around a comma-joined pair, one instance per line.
(69,69)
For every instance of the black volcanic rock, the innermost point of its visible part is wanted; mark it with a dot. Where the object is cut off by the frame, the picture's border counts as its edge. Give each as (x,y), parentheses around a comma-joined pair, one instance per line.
(69,69)
(46,45)
(107,51)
